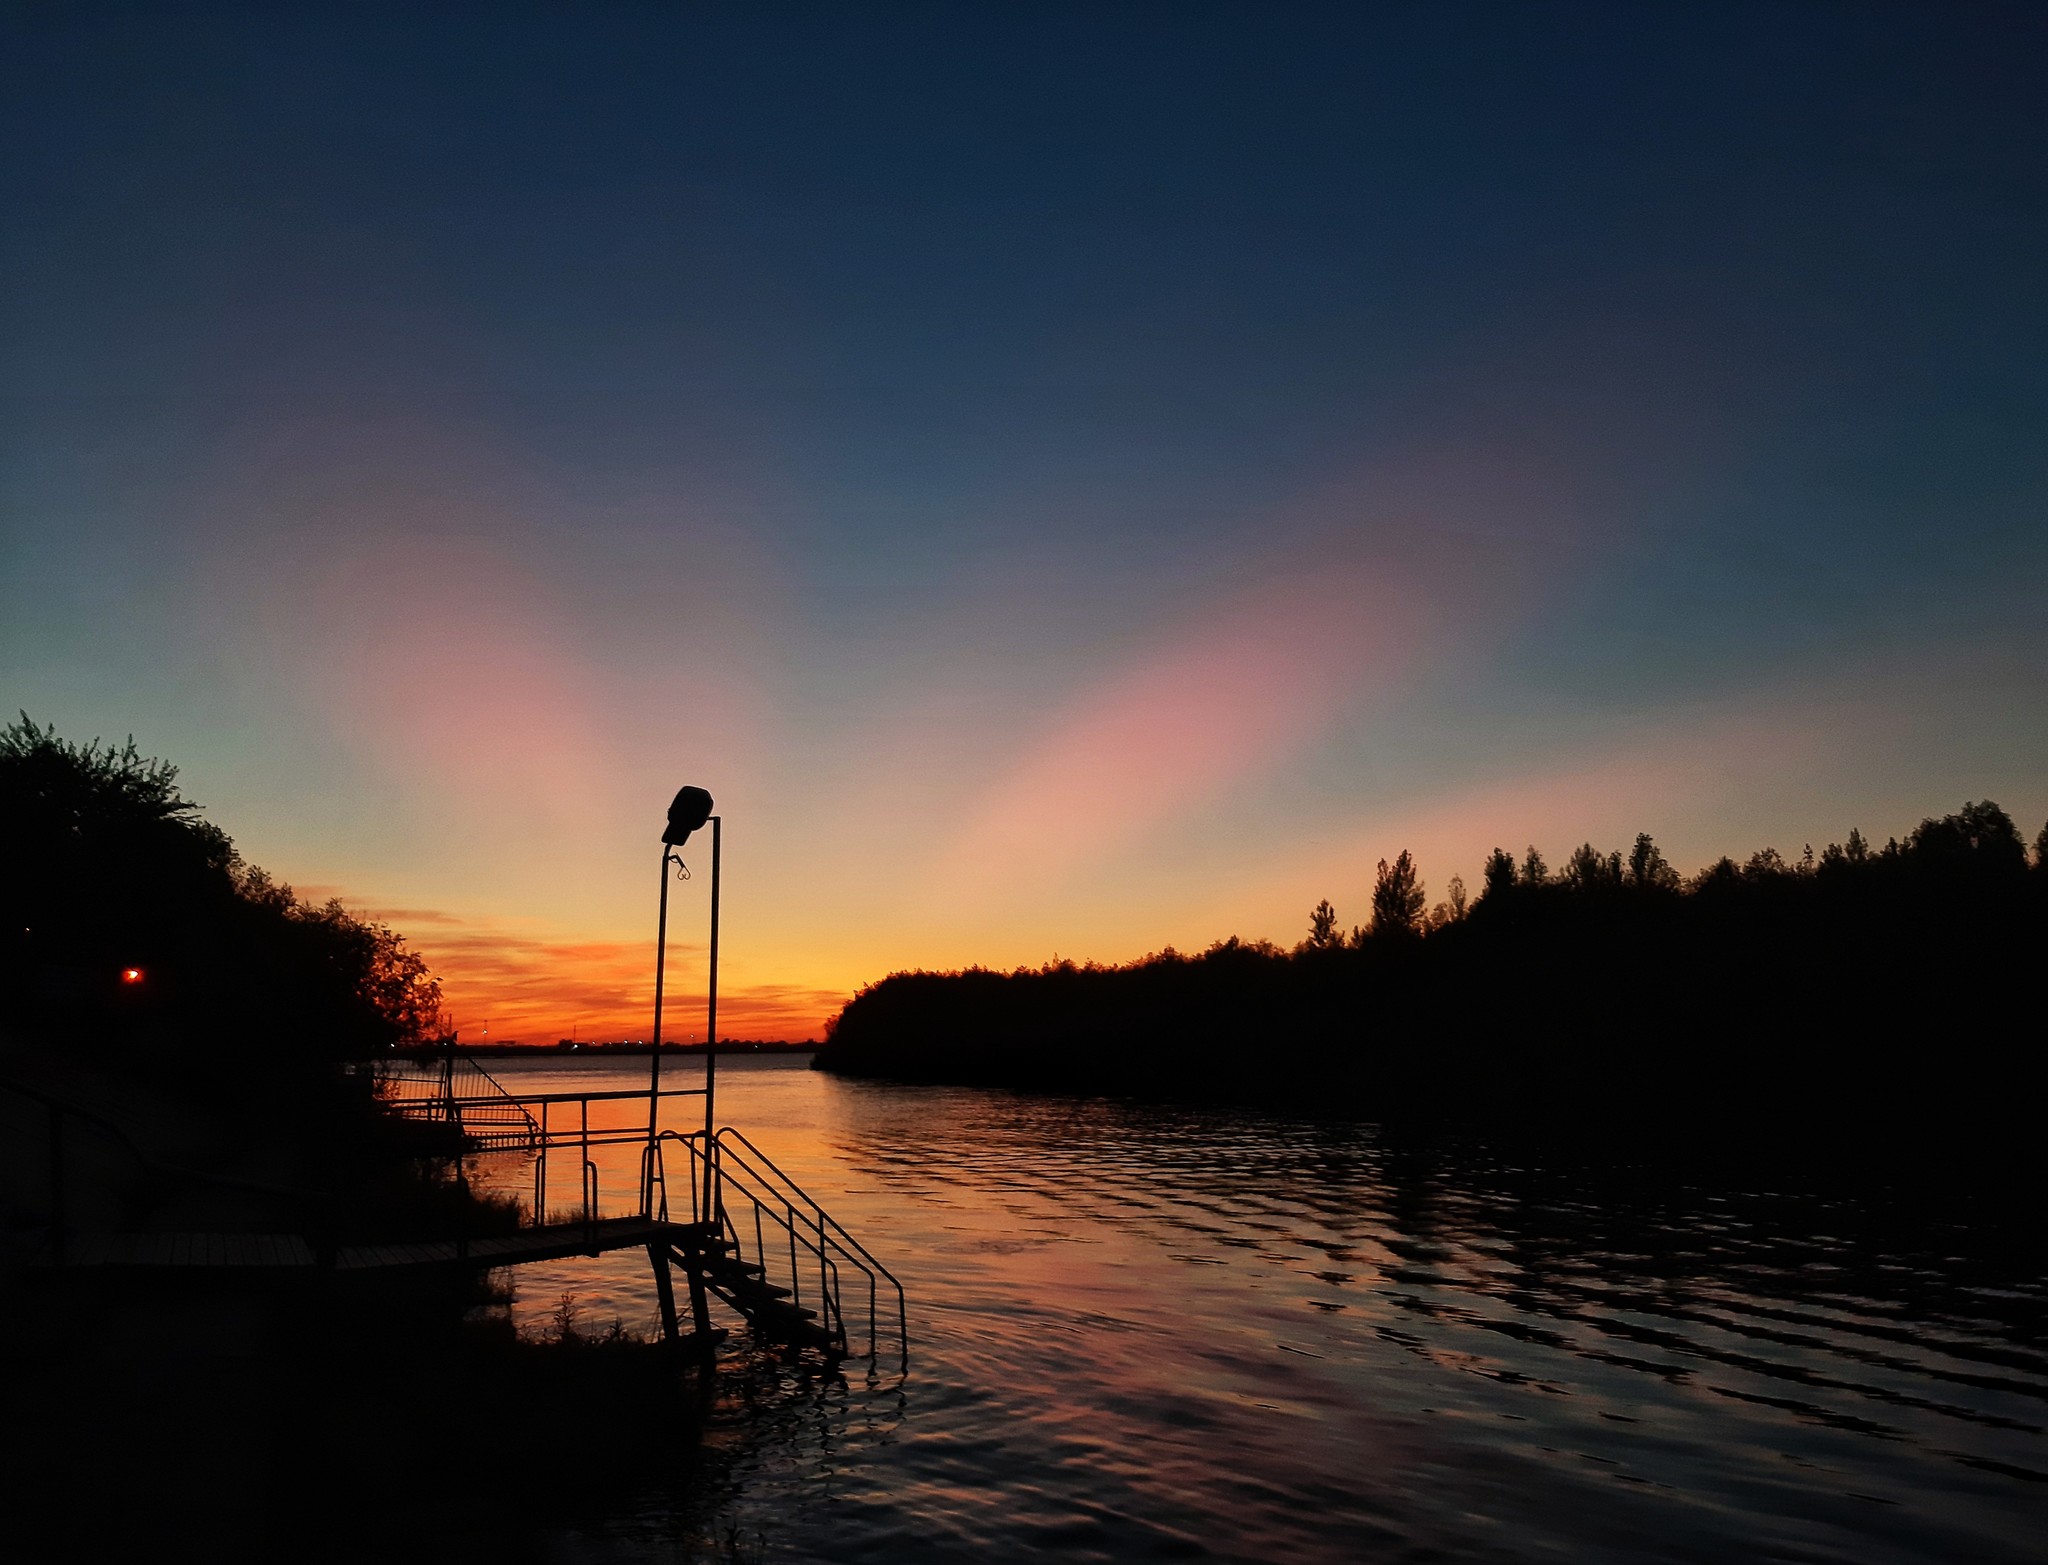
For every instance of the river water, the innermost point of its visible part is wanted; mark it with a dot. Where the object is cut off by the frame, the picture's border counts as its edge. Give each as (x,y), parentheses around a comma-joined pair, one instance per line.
(1143,1332)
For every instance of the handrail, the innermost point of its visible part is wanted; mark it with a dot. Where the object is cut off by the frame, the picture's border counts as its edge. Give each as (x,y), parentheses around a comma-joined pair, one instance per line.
(639,1096)
(854,1244)
(779,1202)
(323,1202)
(496,1086)
(493,1115)
(854,1250)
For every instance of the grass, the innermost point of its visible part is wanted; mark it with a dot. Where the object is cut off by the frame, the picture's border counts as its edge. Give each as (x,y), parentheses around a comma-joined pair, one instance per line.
(565,1329)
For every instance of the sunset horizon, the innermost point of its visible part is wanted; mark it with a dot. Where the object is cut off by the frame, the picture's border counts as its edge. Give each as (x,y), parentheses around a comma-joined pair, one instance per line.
(1122,530)
(1371,685)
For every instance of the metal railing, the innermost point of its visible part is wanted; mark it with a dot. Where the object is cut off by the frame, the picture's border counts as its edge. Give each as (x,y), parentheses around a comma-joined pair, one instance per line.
(772,1244)
(460,1092)
(67,1120)
(775,1230)
(494,1119)
(550,1134)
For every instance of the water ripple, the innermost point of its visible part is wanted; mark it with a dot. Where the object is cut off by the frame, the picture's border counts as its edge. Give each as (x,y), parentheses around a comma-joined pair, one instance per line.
(1168,1333)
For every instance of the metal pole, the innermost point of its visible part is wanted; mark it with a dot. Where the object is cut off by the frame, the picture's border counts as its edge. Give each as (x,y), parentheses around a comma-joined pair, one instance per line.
(540,1174)
(711,1034)
(448,1074)
(57,1183)
(654,1069)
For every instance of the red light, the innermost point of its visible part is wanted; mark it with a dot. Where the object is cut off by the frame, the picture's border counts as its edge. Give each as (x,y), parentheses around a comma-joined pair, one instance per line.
(131,975)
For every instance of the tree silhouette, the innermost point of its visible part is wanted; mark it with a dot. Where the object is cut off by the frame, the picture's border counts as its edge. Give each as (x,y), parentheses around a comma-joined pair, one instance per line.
(1587,869)
(1766,864)
(1980,831)
(1397,897)
(1452,909)
(1534,871)
(1498,878)
(1323,933)
(113,871)
(1720,874)
(1647,868)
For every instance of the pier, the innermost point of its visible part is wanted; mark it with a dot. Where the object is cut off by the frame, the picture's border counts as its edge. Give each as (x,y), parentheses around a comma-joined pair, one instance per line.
(736,1228)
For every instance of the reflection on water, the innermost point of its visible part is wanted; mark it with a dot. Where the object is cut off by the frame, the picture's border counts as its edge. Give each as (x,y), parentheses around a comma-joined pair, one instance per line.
(1143,1332)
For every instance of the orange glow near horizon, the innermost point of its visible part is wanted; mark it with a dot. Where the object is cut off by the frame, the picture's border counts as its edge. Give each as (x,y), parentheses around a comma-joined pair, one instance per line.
(537,987)
(1095,500)
(486,745)
(809,920)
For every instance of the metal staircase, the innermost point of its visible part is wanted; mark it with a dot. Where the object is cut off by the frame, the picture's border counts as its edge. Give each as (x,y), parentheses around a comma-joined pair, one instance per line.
(748,1234)
(461,1093)
(773,1253)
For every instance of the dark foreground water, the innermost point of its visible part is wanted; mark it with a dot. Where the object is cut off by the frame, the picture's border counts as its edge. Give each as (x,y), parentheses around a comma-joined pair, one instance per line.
(1153,1333)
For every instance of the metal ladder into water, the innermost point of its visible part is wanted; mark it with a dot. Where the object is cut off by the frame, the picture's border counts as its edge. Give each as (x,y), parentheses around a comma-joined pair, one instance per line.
(773,1254)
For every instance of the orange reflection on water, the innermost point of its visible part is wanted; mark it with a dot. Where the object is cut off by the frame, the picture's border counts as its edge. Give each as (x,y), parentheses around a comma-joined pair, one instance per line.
(1143,1332)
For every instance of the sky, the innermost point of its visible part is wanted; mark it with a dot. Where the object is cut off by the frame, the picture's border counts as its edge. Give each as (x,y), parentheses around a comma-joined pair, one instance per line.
(1069,480)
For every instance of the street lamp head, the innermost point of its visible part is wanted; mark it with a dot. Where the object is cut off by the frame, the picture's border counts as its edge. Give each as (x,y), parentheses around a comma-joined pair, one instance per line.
(692,808)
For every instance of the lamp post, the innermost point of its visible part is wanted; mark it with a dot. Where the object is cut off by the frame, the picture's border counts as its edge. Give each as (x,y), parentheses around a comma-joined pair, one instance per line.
(690,810)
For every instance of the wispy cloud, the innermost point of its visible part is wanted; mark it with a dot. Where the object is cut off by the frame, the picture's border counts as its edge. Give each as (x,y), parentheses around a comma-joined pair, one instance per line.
(1234,694)
(537,987)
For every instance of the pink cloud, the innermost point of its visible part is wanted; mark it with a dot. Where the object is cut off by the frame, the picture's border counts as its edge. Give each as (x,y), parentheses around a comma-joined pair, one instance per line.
(451,667)
(1233,696)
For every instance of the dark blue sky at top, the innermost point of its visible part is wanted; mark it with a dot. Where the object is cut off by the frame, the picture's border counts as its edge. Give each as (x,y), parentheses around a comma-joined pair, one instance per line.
(921,291)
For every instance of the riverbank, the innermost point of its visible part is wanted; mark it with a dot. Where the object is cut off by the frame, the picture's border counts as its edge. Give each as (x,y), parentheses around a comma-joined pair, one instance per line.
(1882,1006)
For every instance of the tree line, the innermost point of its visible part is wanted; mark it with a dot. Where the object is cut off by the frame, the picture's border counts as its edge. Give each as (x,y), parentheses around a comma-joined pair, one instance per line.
(1855,992)
(131,921)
